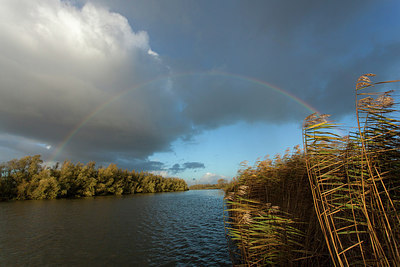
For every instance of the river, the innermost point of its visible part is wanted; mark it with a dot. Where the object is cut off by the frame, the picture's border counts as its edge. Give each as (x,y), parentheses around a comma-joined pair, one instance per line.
(164,229)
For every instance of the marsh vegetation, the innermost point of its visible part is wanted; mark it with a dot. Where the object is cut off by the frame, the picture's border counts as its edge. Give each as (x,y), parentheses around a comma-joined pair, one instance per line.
(335,203)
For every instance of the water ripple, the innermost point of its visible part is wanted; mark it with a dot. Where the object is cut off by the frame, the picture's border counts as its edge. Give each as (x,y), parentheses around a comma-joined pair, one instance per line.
(168,229)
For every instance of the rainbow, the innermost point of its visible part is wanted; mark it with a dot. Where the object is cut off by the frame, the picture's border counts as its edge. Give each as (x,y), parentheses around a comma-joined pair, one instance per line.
(99,108)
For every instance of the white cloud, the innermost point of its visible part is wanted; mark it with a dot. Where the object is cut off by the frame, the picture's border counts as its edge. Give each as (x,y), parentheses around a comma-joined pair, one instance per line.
(211,178)
(60,63)
(87,41)
(48,147)
(152,53)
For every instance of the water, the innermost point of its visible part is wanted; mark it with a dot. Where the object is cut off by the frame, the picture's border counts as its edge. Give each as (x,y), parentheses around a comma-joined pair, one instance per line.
(166,229)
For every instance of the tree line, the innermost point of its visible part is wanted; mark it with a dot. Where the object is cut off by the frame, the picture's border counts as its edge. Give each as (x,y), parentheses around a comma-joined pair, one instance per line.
(27,178)
(221,184)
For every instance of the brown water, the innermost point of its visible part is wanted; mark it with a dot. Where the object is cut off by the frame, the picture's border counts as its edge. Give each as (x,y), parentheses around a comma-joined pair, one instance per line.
(166,229)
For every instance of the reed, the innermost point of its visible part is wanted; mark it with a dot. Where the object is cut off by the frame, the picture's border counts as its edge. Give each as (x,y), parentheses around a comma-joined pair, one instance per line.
(354,181)
(271,219)
(337,203)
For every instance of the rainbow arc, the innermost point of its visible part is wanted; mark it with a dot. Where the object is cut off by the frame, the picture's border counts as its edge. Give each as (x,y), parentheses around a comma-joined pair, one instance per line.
(58,150)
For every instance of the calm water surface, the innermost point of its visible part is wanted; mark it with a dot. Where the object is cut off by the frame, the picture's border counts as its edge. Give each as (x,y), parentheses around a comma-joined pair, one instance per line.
(166,229)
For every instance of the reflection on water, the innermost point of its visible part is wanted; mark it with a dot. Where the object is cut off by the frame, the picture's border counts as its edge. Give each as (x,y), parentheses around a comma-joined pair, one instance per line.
(184,228)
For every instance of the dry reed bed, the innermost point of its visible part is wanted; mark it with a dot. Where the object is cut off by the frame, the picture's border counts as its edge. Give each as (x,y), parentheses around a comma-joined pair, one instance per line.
(335,204)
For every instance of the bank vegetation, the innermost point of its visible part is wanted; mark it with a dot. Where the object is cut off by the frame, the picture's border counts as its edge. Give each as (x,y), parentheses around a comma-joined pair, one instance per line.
(27,178)
(334,203)
(221,184)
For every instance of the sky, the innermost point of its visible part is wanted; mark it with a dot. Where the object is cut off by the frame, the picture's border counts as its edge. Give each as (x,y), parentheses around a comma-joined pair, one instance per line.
(183,88)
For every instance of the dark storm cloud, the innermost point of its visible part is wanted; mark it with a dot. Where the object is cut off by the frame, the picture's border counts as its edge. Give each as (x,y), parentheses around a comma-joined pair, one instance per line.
(11,146)
(157,167)
(176,168)
(62,62)
(193,165)
(303,47)
(146,165)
